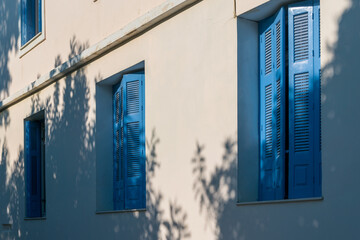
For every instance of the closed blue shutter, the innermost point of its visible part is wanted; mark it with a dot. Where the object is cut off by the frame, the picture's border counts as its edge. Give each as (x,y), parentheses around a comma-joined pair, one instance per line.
(317,97)
(272,107)
(23,22)
(129,143)
(33,168)
(31,19)
(118,146)
(134,131)
(304,100)
(39,22)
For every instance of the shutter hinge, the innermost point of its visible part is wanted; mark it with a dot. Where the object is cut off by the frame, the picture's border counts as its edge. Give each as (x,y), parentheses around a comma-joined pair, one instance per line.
(312,15)
(312,52)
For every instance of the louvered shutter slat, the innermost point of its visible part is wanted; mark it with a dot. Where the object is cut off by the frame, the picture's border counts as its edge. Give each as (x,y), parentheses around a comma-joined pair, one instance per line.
(272,107)
(134,129)
(304,102)
(118,175)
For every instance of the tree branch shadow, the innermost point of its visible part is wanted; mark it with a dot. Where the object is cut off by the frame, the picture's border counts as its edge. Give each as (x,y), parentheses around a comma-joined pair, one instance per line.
(216,195)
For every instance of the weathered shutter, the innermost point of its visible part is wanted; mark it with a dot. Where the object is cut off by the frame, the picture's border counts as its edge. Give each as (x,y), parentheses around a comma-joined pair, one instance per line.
(272,107)
(304,102)
(118,174)
(33,168)
(134,132)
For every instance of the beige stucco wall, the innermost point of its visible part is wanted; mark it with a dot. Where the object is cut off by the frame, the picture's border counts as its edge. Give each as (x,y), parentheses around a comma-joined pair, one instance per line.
(87,21)
(190,68)
(191,74)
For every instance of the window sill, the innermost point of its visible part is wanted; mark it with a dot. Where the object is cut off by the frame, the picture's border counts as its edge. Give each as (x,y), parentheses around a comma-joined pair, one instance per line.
(34,218)
(36,40)
(314,199)
(121,211)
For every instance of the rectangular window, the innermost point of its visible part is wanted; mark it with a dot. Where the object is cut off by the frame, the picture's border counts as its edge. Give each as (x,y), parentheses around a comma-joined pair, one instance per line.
(290,147)
(31,19)
(35,167)
(129,143)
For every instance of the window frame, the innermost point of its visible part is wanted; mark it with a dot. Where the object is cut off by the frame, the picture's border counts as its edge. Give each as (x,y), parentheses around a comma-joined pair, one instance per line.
(248,59)
(39,35)
(40,118)
(305,182)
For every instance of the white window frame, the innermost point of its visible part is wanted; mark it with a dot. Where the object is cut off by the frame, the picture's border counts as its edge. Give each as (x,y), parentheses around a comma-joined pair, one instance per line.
(38,38)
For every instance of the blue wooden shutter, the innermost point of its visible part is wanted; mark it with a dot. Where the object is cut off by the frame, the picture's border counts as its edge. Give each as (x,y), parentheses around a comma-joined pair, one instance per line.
(272,107)
(33,168)
(23,22)
(39,15)
(317,99)
(304,102)
(134,132)
(31,19)
(118,146)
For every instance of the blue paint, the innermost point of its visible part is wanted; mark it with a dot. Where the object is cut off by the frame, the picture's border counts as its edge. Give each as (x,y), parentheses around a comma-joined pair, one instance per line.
(129,172)
(304,101)
(33,168)
(317,97)
(31,19)
(272,107)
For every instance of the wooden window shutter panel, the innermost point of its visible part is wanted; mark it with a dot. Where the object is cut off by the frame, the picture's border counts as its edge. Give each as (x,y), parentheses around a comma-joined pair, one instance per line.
(39,22)
(118,146)
(272,107)
(31,19)
(33,168)
(23,22)
(134,132)
(304,102)
(317,100)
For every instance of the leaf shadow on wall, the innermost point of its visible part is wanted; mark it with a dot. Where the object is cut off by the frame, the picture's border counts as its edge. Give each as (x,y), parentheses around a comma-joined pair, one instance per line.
(9,36)
(149,224)
(216,195)
(70,173)
(340,140)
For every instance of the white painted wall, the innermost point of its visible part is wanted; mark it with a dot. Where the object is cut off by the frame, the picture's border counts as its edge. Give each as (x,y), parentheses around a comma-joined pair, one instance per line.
(196,91)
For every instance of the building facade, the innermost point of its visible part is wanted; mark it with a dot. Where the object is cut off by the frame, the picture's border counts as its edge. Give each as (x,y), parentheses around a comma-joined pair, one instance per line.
(155,119)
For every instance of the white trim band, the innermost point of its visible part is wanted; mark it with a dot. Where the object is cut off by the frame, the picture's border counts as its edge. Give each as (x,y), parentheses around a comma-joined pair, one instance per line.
(138,26)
